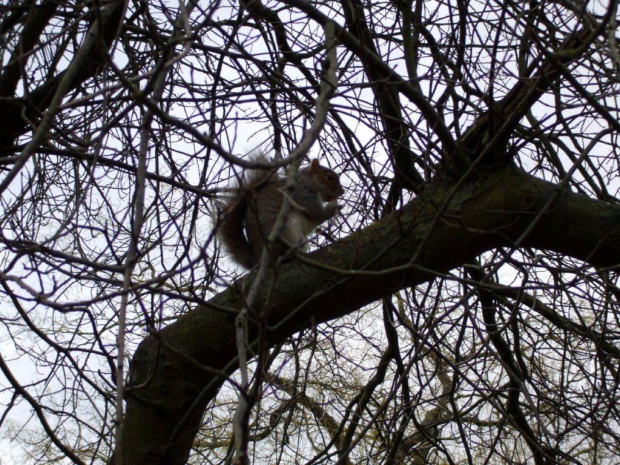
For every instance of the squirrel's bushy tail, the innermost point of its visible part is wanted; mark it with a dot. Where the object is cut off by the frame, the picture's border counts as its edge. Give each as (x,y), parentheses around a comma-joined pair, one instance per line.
(232,229)
(233,211)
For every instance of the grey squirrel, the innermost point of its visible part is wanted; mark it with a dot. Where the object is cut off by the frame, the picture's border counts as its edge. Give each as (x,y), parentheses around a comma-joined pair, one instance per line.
(250,213)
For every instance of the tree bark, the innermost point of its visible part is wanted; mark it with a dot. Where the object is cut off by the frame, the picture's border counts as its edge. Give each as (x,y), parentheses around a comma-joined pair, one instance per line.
(174,374)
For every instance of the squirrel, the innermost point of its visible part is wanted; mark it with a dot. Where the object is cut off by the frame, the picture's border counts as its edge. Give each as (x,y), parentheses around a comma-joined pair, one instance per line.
(250,213)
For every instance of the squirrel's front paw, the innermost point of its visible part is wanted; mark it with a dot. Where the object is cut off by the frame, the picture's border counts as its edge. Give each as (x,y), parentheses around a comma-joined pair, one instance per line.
(334,208)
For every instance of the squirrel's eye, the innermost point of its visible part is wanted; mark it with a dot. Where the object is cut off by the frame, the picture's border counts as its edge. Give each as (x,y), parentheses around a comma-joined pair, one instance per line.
(330,177)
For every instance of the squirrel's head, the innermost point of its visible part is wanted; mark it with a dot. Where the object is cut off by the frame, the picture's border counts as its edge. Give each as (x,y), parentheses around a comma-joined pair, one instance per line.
(327,181)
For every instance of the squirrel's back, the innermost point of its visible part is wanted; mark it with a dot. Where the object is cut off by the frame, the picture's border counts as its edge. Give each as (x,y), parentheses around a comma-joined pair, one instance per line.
(250,213)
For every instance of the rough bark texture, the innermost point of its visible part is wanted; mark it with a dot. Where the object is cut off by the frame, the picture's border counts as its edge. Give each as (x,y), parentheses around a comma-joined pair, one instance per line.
(177,373)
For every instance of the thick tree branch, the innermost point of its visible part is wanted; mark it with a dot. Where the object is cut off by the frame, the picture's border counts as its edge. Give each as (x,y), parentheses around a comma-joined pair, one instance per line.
(36,21)
(89,60)
(181,369)
(387,98)
(488,136)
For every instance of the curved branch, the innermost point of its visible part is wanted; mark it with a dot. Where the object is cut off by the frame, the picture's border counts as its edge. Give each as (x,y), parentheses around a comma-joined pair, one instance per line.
(496,125)
(491,210)
(387,98)
(88,61)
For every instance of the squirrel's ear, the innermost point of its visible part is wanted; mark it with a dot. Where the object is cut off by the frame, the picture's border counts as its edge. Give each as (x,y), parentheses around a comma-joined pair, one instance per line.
(314,165)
